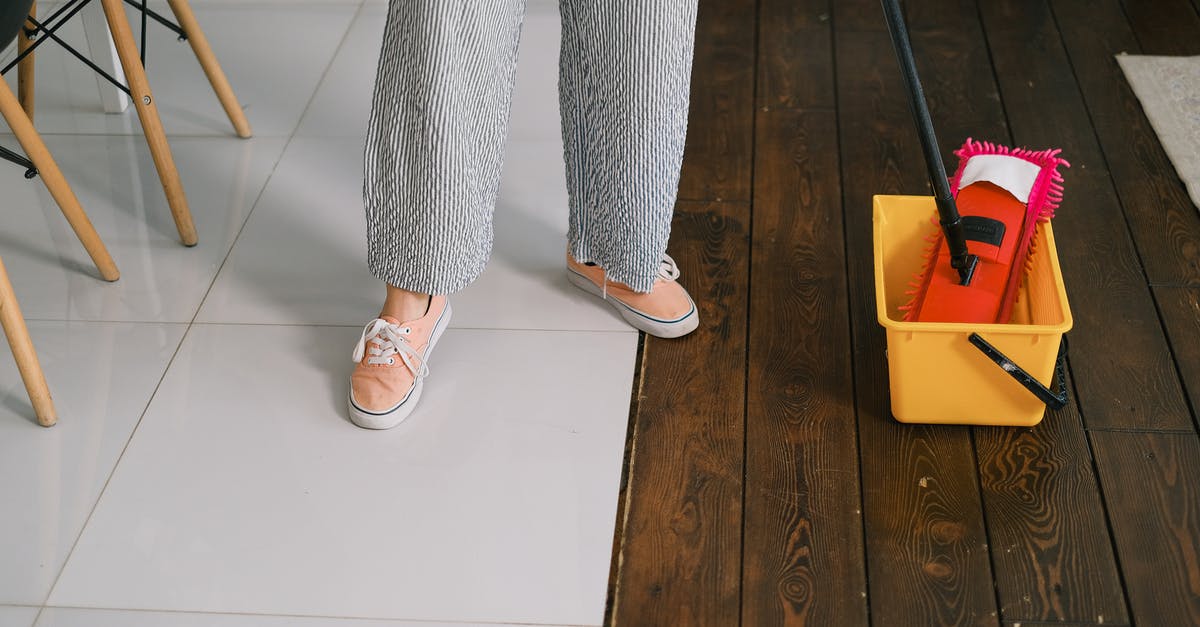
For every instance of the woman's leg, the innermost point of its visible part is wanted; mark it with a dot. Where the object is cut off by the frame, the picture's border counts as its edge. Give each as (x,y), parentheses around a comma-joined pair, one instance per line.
(624,81)
(435,140)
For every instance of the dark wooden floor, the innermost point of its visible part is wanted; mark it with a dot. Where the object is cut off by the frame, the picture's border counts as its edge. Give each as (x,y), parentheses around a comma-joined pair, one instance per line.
(767,482)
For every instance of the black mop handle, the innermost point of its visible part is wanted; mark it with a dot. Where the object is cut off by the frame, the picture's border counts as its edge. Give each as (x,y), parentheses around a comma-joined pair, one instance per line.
(960,259)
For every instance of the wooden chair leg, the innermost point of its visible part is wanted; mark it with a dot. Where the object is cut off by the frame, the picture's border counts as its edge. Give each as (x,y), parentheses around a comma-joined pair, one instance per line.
(56,183)
(147,111)
(187,20)
(25,69)
(22,350)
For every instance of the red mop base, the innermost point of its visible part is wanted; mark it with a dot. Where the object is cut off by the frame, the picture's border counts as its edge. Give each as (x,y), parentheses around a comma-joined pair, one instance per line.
(1000,230)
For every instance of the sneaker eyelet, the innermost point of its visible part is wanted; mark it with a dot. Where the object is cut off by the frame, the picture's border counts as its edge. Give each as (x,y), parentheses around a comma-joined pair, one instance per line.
(391,361)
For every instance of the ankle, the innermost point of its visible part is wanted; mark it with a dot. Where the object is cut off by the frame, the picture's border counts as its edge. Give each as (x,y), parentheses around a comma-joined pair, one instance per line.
(404,305)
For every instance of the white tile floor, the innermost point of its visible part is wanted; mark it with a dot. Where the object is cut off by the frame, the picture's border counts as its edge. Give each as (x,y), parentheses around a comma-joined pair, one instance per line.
(203,472)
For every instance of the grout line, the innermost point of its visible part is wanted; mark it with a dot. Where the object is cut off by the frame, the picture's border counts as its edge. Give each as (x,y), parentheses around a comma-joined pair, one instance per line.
(339,325)
(323,135)
(630,331)
(193,323)
(150,401)
(282,153)
(170,136)
(413,621)
(234,4)
(113,471)
(85,321)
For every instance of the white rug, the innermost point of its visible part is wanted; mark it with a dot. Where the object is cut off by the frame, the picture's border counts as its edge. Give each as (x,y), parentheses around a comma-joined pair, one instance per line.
(1169,90)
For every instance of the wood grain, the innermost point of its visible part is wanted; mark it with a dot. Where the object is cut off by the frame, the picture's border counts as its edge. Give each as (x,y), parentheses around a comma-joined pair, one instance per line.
(1180,309)
(795,65)
(1047,531)
(1164,222)
(804,561)
(1167,27)
(1025,623)
(680,557)
(1153,502)
(1120,354)
(718,154)
(926,546)
(803,551)
(1049,536)
(859,15)
(927,554)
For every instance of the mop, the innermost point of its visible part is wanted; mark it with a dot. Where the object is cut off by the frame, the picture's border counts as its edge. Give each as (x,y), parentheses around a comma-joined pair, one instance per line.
(988,215)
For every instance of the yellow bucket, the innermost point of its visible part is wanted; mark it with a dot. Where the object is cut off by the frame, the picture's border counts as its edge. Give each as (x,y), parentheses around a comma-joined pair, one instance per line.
(937,375)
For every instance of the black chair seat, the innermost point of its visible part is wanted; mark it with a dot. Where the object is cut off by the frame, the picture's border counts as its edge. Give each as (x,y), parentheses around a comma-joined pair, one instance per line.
(12,17)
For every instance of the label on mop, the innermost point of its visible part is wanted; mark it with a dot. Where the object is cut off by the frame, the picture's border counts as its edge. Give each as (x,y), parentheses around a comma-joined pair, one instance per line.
(983,230)
(1012,174)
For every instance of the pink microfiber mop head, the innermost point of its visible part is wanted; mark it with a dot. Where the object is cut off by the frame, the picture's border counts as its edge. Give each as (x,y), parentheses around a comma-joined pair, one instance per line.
(1003,195)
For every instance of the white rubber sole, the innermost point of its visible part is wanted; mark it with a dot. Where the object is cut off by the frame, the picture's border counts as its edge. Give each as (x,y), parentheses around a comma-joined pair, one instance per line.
(396,415)
(658,328)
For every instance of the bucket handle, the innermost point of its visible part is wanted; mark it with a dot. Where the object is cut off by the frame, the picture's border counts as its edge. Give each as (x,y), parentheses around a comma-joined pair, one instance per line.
(1051,399)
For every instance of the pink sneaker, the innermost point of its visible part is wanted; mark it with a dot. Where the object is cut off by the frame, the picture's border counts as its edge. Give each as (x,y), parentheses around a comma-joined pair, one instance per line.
(392,358)
(667,311)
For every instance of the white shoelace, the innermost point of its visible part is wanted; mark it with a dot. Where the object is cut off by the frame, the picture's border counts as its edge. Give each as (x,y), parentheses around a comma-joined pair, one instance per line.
(386,341)
(667,271)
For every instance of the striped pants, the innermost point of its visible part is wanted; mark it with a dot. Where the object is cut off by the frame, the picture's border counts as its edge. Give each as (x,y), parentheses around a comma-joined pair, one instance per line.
(439,118)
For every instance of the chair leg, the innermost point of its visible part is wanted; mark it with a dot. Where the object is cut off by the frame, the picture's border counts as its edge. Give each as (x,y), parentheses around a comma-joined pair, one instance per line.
(147,111)
(187,20)
(25,69)
(22,350)
(56,183)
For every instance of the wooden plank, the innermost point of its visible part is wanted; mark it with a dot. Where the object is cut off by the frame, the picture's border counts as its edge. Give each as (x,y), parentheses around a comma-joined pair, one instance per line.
(1162,218)
(795,64)
(1167,27)
(858,15)
(803,551)
(926,546)
(803,539)
(1120,358)
(803,559)
(1153,502)
(1180,309)
(1049,535)
(947,16)
(680,556)
(1051,553)
(717,157)
(956,74)
(1025,623)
